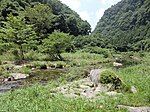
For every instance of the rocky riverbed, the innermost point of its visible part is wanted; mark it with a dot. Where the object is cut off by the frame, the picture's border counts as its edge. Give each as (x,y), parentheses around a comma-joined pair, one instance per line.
(18,80)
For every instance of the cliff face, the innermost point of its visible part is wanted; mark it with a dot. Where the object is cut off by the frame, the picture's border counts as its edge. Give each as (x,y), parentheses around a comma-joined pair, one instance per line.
(127,25)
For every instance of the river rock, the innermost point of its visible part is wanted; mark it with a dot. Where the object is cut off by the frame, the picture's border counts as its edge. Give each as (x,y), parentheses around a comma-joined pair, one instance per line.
(94,75)
(18,76)
(113,93)
(18,67)
(135,109)
(133,89)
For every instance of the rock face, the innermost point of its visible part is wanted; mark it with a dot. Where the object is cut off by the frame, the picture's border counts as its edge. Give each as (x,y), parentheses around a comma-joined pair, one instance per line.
(18,76)
(135,109)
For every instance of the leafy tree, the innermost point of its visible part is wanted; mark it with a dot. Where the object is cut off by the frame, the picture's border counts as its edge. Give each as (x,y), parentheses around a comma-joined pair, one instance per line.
(16,32)
(55,44)
(42,17)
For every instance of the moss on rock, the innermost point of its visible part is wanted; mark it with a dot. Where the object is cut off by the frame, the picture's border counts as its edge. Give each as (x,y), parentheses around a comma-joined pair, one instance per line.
(110,77)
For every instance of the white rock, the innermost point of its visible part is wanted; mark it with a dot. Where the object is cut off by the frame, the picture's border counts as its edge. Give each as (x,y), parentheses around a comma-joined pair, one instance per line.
(17,76)
(115,64)
(112,93)
(133,89)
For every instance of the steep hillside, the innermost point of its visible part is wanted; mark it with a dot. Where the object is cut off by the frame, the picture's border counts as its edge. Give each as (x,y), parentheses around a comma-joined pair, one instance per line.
(46,15)
(126,25)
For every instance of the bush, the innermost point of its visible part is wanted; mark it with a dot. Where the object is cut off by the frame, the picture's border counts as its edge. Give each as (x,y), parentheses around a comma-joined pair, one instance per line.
(39,65)
(55,44)
(33,55)
(128,59)
(60,64)
(43,66)
(109,76)
(97,50)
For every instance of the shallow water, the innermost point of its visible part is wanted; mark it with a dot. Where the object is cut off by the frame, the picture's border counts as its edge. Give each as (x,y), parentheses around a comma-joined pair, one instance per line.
(37,76)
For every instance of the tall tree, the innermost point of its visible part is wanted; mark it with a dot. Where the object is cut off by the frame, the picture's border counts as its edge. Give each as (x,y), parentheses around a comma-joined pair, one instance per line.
(18,33)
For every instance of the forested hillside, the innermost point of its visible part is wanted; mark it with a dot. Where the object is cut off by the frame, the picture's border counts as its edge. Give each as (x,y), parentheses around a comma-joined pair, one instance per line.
(27,25)
(50,61)
(126,25)
(46,15)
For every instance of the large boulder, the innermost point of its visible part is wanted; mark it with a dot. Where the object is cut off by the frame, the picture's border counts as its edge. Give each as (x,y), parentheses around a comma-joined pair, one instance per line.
(94,76)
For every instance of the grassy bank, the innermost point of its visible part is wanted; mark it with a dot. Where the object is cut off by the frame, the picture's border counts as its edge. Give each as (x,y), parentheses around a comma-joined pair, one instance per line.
(38,98)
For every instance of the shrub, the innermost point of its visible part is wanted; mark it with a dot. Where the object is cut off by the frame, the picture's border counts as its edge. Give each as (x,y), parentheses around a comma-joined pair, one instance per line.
(25,70)
(60,64)
(43,66)
(33,55)
(97,50)
(128,59)
(55,44)
(109,76)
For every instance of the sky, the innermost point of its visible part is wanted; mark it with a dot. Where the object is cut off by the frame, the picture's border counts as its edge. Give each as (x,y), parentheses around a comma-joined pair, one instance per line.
(90,10)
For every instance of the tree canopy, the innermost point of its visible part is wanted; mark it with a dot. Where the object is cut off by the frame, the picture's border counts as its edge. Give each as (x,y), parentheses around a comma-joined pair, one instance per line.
(46,15)
(126,25)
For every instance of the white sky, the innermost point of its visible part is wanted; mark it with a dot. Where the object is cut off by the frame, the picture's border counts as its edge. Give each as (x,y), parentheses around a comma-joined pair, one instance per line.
(90,10)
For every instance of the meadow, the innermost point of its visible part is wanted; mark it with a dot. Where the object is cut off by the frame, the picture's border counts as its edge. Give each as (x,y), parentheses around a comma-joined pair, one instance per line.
(38,98)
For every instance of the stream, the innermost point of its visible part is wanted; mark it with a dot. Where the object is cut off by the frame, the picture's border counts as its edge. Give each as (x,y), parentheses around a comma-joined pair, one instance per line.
(37,76)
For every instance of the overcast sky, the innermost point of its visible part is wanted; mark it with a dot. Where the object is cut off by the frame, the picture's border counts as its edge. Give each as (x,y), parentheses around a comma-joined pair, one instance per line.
(90,10)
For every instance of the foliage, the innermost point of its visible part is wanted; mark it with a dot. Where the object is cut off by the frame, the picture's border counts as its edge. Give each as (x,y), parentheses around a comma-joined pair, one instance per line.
(46,15)
(55,44)
(87,41)
(42,17)
(18,33)
(110,77)
(128,59)
(126,25)
(98,50)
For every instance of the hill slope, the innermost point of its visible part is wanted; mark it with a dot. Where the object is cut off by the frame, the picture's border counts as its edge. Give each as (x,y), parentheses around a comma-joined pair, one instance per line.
(127,25)
(46,15)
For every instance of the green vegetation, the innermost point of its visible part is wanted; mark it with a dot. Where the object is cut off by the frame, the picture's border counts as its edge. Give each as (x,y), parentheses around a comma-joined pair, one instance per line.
(55,44)
(46,39)
(39,98)
(110,77)
(126,25)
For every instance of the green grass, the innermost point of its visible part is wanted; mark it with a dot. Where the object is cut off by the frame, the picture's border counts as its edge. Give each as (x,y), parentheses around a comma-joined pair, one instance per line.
(39,99)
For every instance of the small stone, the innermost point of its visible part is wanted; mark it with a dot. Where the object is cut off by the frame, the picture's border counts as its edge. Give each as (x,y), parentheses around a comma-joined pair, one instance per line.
(18,66)
(113,93)
(133,89)
(84,87)
(18,76)
(6,79)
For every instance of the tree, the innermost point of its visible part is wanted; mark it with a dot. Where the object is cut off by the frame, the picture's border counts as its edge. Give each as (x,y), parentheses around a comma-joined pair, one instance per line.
(18,33)
(42,17)
(55,44)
